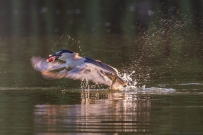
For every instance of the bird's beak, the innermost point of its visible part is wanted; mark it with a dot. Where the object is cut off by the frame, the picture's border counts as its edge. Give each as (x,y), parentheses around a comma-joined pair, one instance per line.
(52,58)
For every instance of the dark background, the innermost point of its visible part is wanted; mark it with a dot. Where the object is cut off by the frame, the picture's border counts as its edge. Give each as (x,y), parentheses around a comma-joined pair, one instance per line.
(159,39)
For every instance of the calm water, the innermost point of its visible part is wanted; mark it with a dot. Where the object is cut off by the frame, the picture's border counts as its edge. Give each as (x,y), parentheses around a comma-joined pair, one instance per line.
(55,111)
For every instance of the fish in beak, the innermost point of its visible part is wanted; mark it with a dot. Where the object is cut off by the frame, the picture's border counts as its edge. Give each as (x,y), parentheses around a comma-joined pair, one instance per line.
(53,57)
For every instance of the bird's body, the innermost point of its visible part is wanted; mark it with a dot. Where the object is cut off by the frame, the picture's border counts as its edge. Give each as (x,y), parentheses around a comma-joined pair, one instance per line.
(75,61)
(82,68)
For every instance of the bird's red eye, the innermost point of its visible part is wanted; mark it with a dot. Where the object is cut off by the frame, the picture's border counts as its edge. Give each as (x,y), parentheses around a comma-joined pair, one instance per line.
(60,52)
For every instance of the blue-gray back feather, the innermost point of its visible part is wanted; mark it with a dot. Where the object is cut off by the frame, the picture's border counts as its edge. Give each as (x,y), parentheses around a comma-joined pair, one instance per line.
(102,65)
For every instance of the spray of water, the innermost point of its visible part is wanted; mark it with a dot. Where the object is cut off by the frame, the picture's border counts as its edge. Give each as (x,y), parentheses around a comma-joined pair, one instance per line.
(66,42)
(131,83)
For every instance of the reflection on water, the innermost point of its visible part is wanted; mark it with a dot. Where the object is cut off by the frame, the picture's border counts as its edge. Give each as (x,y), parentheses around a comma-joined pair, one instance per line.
(98,112)
(55,111)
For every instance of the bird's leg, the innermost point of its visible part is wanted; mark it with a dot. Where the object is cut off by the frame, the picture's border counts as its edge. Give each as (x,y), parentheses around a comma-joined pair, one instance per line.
(114,78)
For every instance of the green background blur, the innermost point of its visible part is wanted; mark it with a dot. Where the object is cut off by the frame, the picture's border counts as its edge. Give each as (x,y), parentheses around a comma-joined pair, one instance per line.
(159,39)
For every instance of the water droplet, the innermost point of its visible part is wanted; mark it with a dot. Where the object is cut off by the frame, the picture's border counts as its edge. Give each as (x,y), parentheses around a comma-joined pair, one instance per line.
(44,9)
(132,8)
(150,12)
(15,12)
(55,30)
(77,11)
(71,22)
(69,12)
(107,24)
(57,11)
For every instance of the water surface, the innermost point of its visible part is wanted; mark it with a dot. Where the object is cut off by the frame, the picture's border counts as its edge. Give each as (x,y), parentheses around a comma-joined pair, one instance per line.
(55,111)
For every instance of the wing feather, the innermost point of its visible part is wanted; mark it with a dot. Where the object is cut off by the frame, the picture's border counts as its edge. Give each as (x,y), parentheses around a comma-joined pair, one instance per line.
(86,71)
(89,72)
(40,64)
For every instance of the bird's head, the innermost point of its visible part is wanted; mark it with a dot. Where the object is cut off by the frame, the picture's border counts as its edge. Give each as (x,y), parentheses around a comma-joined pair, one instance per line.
(61,55)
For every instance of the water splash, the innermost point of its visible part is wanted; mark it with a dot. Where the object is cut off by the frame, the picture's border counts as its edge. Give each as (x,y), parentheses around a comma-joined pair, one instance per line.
(131,83)
(84,84)
(130,87)
(129,79)
(64,42)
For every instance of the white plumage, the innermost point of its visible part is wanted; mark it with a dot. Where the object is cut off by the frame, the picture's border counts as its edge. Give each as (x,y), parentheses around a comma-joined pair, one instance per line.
(82,69)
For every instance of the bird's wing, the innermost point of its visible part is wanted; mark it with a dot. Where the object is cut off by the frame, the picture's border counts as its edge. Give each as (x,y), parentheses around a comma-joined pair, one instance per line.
(90,72)
(86,71)
(40,64)
(102,65)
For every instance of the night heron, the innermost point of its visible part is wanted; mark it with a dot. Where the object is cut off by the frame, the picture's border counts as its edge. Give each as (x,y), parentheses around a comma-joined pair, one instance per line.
(83,68)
